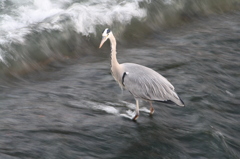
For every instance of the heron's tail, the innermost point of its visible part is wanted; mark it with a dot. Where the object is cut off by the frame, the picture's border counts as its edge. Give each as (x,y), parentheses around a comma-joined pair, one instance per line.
(176,99)
(179,102)
(182,103)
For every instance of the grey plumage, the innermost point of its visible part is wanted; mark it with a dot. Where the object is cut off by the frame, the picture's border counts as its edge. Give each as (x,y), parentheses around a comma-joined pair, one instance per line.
(142,82)
(147,84)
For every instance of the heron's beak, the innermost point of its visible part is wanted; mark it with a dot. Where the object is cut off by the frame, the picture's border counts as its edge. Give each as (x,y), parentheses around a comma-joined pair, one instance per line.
(104,38)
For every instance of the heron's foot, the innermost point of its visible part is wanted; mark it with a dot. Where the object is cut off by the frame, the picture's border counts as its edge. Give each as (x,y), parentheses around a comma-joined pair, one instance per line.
(151,111)
(135,117)
(131,115)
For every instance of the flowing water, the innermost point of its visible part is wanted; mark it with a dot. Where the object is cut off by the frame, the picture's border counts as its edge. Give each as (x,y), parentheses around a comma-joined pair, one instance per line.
(59,100)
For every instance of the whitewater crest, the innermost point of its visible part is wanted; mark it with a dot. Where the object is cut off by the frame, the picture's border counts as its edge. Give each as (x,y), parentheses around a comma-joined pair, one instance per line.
(43,25)
(45,14)
(34,32)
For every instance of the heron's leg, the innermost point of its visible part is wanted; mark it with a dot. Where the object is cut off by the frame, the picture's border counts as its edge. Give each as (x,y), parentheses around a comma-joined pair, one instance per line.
(137,110)
(151,108)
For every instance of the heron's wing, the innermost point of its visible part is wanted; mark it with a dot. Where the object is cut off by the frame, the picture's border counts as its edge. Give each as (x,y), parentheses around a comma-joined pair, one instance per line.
(145,83)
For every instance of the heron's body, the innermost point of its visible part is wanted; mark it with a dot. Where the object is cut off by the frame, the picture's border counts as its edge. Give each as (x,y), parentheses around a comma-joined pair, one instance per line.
(142,82)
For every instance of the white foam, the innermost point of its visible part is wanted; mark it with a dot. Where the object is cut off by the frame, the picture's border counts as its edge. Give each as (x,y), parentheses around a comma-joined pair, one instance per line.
(126,116)
(129,114)
(87,16)
(144,109)
(107,109)
(17,23)
(133,107)
(110,108)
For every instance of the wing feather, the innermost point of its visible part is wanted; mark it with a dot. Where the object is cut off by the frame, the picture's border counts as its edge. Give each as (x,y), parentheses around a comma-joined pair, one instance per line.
(146,83)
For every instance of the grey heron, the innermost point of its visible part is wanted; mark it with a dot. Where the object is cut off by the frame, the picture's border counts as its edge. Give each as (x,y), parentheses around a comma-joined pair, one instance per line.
(142,82)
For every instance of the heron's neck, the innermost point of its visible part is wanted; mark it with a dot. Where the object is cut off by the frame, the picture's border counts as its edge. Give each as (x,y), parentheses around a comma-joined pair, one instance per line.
(114,61)
(115,66)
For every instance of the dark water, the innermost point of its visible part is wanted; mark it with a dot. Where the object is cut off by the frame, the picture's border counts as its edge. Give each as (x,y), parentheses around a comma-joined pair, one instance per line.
(72,108)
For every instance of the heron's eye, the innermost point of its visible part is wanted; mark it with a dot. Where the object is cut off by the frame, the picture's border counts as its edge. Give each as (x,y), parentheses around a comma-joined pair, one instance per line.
(108,31)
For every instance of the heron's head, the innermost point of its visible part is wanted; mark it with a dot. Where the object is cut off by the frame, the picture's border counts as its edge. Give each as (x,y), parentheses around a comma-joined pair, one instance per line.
(105,35)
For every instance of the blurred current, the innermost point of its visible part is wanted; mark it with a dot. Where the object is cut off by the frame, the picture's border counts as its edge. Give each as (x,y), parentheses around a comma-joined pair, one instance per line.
(59,100)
